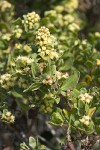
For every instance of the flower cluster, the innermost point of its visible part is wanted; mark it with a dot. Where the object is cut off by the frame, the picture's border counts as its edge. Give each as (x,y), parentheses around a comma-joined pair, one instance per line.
(71,5)
(24,60)
(8,117)
(59,9)
(49,80)
(22,83)
(97,34)
(43,36)
(61,75)
(18,46)
(6,81)
(46,43)
(6,37)
(17,32)
(30,20)
(85,120)
(68,19)
(42,65)
(73,27)
(4,5)
(48,102)
(85,97)
(27,48)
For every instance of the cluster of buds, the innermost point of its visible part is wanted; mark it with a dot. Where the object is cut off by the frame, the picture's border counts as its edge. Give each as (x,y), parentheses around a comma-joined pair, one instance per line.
(4,5)
(46,43)
(22,83)
(85,120)
(85,97)
(30,20)
(6,37)
(61,75)
(97,34)
(49,80)
(59,9)
(8,117)
(71,5)
(47,105)
(18,46)
(43,36)
(6,81)
(68,19)
(27,48)
(73,27)
(24,60)
(42,65)
(17,32)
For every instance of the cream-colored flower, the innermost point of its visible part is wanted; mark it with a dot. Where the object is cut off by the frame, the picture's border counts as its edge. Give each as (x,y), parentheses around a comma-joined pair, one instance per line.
(85,97)
(97,34)
(6,81)
(65,75)
(71,5)
(98,62)
(49,80)
(27,48)
(43,35)
(24,60)
(4,5)
(6,37)
(59,9)
(73,27)
(30,20)
(46,43)
(4,78)
(60,75)
(18,46)
(8,114)
(84,42)
(17,31)
(8,117)
(85,120)
(68,19)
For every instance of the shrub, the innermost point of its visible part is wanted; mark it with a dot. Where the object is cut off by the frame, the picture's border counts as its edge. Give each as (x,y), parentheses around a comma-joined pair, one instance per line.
(45,64)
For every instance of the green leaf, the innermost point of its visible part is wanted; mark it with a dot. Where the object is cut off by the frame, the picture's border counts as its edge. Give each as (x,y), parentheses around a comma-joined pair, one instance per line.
(91,111)
(34,69)
(57,100)
(71,82)
(16,94)
(51,68)
(2,45)
(17,21)
(33,87)
(54,124)
(23,106)
(67,64)
(57,118)
(87,108)
(32,142)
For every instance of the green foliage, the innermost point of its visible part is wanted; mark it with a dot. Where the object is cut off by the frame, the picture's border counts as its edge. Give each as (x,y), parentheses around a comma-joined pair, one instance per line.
(43,63)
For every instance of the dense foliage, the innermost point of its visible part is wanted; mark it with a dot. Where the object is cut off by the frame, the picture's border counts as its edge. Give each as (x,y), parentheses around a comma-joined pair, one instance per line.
(49,67)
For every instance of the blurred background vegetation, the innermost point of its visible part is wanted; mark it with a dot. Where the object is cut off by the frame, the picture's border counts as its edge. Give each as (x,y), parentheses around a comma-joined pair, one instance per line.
(89,8)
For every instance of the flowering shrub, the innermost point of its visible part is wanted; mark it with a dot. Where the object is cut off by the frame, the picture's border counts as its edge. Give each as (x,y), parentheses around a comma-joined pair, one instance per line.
(44,64)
